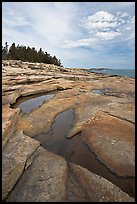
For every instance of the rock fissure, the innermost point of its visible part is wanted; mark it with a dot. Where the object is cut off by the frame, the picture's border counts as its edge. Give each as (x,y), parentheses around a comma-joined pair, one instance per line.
(8,194)
(119,117)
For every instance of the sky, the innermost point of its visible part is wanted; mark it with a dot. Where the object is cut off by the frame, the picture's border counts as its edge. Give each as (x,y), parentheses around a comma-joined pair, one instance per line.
(80,34)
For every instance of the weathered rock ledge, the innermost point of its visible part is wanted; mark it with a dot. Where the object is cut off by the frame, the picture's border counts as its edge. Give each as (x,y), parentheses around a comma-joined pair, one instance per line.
(106,122)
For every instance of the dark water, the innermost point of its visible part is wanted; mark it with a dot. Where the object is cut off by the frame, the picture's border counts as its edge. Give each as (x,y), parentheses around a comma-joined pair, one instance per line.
(28,103)
(76,151)
(120,72)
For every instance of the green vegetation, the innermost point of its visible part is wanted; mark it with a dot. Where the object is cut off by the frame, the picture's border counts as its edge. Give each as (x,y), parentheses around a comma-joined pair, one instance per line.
(28,54)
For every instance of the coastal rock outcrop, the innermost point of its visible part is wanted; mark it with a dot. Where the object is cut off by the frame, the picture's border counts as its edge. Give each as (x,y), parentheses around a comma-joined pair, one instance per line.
(9,119)
(115,135)
(104,114)
(48,177)
(15,154)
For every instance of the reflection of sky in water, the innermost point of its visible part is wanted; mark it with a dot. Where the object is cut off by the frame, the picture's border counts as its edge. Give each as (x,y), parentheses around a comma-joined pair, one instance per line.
(27,106)
(75,150)
(97,91)
(100,91)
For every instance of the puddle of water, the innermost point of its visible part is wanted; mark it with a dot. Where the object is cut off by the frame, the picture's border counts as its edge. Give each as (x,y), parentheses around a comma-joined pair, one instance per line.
(107,92)
(54,139)
(76,151)
(100,91)
(97,91)
(28,103)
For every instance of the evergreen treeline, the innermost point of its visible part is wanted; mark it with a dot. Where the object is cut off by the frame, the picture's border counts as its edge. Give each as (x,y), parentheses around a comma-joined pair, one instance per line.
(28,54)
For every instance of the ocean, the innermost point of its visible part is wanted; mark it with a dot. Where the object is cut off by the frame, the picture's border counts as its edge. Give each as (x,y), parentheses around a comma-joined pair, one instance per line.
(120,72)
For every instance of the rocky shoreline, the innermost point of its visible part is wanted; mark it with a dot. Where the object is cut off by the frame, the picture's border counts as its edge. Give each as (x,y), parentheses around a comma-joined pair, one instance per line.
(105,118)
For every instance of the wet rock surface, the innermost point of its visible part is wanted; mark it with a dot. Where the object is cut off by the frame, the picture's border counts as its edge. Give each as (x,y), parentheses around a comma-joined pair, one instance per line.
(106,122)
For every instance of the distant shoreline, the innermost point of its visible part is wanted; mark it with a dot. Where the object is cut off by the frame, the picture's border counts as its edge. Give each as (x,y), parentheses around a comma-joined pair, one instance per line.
(100,68)
(114,72)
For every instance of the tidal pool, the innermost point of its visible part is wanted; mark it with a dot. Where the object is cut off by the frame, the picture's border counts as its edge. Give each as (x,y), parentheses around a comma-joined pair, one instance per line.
(76,151)
(28,103)
(100,91)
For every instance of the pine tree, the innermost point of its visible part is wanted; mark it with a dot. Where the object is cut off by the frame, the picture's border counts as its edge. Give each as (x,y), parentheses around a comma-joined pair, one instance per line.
(28,54)
(40,55)
(5,51)
(13,54)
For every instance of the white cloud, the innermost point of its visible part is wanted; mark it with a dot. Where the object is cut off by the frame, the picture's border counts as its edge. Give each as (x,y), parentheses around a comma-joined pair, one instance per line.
(129,33)
(98,25)
(15,21)
(124,15)
(99,20)
(105,26)
(65,28)
(101,16)
(107,35)
(103,20)
(78,43)
(44,25)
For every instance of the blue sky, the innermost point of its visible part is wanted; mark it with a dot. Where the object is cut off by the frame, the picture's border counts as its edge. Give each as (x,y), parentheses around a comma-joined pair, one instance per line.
(80,34)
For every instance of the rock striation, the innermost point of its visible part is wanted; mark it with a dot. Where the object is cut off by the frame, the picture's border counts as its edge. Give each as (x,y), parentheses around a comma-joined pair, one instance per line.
(105,119)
